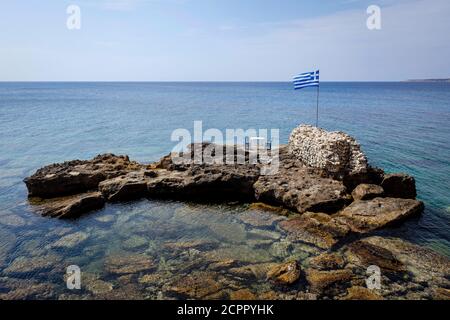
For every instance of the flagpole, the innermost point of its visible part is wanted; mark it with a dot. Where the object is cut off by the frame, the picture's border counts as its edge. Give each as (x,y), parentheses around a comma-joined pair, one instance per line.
(317,109)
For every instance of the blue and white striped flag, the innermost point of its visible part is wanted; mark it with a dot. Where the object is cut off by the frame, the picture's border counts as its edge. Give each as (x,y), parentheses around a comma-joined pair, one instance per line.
(307,79)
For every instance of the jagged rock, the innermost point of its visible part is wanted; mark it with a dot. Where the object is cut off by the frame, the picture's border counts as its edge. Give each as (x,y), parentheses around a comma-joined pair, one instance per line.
(399,186)
(127,187)
(70,206)
(335,152)
(367,192)
(365,216)
(328,282)
(301,190)
(77,176)
(318,229)
(286,273)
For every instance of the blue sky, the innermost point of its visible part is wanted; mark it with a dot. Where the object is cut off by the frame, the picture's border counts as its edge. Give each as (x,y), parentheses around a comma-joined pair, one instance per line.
(223,40)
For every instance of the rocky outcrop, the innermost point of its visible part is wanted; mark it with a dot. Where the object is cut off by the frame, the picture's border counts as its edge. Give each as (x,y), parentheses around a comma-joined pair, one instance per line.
(77,176)
(363,216)
(316,172)
(335,152)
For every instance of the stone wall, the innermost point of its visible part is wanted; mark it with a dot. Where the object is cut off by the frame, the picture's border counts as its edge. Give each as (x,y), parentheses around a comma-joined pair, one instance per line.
(335,152)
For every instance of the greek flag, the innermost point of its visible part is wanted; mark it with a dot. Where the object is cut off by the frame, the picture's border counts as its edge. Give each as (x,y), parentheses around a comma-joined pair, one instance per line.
(307,79)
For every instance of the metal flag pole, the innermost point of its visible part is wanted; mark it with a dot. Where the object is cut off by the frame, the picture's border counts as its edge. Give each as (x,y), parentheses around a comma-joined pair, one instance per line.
(317,109)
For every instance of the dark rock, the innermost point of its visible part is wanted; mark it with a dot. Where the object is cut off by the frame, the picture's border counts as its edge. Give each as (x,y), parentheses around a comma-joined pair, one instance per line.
(77,176)
(399,186)
(365,216)
(367,192)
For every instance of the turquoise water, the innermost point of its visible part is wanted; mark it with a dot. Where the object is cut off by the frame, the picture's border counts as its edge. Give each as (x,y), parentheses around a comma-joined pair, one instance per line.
(401,126)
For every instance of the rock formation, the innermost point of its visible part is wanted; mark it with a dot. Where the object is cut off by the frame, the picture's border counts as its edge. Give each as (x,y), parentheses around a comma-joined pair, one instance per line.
(323,182)
(335,152)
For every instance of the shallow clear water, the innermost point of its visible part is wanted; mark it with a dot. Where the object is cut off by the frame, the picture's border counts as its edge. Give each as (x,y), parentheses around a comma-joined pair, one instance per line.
(401,126)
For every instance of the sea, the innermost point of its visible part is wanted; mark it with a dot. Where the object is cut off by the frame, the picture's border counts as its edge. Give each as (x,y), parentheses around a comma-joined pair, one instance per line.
(401,126)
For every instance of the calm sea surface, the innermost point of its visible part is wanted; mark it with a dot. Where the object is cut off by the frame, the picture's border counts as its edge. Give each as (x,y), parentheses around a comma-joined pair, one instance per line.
(402,127)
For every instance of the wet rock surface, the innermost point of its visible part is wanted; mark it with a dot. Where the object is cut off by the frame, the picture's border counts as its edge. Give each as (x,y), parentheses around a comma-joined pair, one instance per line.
(365,216)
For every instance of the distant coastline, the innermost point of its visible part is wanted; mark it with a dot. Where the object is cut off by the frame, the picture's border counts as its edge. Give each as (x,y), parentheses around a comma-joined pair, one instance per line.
(428,80)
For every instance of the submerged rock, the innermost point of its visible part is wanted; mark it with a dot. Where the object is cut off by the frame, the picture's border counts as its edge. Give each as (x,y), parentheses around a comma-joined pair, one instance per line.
(7,242)
(328,283)
(318,229)
(361,293)
(33,265)
(196,285)
(327,261)
(365,216)
(19,289)
(70,241)
(286,273)
(243,294)
(127,263)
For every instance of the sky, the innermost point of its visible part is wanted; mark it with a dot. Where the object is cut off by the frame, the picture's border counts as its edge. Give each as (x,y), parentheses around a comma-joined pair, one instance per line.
(223,40)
